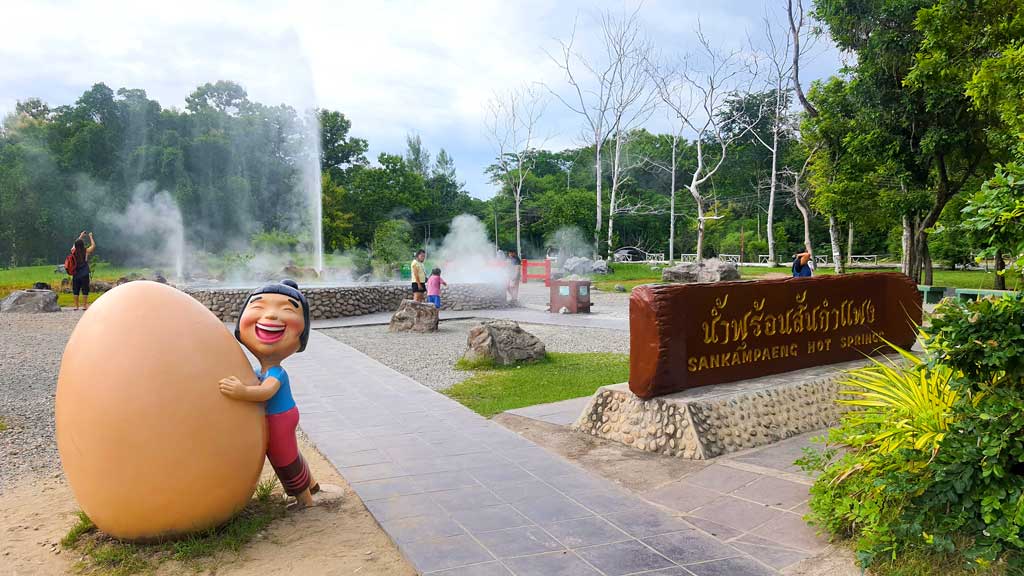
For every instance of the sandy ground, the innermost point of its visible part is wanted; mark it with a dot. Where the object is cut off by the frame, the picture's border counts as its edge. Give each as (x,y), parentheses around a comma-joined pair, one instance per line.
(337,537)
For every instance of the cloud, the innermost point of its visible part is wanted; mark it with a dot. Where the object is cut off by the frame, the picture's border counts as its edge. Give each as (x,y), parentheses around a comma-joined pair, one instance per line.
(392,67)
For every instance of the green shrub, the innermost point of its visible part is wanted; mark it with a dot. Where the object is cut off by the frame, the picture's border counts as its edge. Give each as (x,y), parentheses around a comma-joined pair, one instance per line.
(877,462)
(978,476)
(274,241)
(984,339)
(933,465)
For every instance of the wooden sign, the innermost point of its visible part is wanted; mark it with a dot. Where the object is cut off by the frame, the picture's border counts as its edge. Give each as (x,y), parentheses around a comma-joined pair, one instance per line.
(689,335)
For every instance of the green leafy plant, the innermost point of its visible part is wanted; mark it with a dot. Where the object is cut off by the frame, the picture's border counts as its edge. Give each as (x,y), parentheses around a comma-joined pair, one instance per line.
(265,489)
(984,340)
(274,241)
(876,460)
(902,405)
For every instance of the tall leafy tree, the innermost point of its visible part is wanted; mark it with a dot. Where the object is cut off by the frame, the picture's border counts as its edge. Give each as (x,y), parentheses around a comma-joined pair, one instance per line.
(933,136)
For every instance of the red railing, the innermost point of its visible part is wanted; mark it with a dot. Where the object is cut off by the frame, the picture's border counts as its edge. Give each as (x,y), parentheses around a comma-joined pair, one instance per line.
(545,276)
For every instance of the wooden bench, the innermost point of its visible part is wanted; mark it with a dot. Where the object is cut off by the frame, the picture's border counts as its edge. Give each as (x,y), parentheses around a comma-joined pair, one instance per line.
(932,294)
(971,294)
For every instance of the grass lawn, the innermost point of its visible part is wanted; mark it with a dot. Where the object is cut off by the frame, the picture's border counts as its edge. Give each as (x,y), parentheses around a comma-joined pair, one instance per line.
(631,275)
(561,377)
(12,279)
(201,552)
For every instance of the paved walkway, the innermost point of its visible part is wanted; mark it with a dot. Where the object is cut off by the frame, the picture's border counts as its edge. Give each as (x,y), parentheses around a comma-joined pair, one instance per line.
(462,495)
(753,500)
(562,413)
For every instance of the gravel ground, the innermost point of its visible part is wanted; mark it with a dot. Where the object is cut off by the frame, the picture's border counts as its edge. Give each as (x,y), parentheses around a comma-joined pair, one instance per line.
(31,346)
(430,358)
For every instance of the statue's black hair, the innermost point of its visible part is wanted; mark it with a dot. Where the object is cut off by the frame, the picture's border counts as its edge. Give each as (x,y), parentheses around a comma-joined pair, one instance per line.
(288,288)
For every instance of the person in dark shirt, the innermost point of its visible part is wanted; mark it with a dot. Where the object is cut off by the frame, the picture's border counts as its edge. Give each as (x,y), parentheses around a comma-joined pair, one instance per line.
(515,276)
(80,278)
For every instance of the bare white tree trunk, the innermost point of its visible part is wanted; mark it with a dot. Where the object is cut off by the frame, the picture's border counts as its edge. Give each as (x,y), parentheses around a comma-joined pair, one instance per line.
(833,234)
(778,52)
(698,95)
(906,245)
(519,229)
(771,195)
(616,174)
(700,228)
(603,94)
(512,124)
(849,243)
(672,204)
(806,216)
(600,203)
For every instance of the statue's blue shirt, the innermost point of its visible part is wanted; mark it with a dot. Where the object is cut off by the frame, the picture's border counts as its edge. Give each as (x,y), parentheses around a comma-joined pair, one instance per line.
(282,401)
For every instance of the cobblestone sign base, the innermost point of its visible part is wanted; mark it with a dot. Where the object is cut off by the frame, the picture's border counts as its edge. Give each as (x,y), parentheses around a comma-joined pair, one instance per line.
(355,300)
(702,423)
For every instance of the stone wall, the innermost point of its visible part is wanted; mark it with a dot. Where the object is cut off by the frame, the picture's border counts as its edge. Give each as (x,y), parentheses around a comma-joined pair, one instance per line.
(355,300)
(706,422)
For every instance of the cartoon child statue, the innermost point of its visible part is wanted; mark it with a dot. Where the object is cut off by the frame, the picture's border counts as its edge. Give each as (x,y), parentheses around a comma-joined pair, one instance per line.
(274,324)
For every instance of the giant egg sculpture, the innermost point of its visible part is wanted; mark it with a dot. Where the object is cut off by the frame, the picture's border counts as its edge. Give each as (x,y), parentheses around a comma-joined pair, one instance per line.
(149,445)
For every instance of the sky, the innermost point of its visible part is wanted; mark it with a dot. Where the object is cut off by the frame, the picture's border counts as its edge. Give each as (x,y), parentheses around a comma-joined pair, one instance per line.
(394,68)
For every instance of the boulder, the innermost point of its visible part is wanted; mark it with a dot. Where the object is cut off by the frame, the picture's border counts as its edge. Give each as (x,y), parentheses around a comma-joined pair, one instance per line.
(599,267)
(30,302)
(503,342)
(414,316)
(620,288)
(100,286)
(711,270)
(41,286)
(578,266)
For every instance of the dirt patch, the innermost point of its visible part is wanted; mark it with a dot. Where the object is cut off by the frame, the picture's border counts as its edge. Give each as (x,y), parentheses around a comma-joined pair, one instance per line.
(836,561)
(633,469)
(335,538)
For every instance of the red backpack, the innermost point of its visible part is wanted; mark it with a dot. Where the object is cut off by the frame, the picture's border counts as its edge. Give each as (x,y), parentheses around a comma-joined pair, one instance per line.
(70,263)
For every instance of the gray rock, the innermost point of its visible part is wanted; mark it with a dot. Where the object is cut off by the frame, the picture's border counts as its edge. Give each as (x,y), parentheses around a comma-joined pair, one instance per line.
(620,288)
(578,266)
(503,342)
(100,286)
(414,317)
(30,302)
(599,267)
(712,270)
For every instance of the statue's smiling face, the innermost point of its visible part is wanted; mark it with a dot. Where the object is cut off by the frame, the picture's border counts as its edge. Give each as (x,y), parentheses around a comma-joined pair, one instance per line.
(271,325)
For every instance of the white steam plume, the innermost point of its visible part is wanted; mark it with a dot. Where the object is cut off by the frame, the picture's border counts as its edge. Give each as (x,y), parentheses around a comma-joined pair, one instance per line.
(467,255)
(152,225)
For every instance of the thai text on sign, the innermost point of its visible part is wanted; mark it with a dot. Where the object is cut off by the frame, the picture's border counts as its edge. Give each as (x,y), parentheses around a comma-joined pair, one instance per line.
(688,335)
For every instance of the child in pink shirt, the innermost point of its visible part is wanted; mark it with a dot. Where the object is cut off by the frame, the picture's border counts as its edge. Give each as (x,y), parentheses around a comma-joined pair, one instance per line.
(434,284)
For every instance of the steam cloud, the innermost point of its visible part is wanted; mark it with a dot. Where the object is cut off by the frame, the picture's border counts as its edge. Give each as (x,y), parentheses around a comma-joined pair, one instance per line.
(467,255)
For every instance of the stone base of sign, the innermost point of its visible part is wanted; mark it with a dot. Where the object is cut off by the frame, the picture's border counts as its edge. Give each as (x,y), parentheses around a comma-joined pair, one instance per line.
(702,423)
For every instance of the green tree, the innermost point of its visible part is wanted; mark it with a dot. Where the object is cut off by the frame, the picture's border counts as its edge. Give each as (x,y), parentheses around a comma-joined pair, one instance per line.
(392,245)
(996,212)
(339,151)
(909,120)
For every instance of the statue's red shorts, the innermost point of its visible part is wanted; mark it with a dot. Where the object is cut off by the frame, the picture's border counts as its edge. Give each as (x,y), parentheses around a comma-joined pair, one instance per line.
(283,452)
